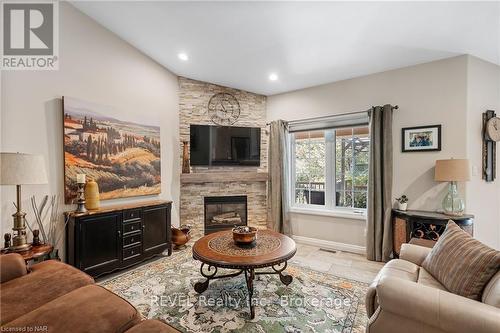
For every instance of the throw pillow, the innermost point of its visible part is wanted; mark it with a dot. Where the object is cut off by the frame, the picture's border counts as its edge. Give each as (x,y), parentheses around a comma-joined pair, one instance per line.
(461,263)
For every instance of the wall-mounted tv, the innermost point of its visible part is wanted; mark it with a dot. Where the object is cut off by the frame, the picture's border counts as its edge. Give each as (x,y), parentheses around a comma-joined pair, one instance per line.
(224,146)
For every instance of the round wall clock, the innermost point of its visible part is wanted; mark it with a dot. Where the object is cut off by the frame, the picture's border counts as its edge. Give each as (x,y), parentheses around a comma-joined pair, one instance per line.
(223,109)
(493,129)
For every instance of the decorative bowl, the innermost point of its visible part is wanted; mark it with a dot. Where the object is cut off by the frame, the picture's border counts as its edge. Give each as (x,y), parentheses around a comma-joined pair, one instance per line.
(244,235)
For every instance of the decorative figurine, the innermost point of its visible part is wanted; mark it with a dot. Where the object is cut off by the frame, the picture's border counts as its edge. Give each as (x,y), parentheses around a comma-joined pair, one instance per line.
(7,237)
(36,237)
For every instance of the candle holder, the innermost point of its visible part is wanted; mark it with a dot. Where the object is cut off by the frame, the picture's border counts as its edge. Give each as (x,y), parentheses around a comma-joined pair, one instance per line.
(80,208)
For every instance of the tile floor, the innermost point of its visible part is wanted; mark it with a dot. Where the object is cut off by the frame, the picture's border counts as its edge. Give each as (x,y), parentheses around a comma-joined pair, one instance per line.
(343,264)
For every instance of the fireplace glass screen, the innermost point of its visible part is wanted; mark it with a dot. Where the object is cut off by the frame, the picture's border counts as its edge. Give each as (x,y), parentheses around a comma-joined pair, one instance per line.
(223,213)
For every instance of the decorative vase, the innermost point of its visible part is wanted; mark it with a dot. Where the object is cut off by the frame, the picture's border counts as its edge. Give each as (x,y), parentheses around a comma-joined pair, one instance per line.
(185,157)
(92,195)
(402,206)
(181,236)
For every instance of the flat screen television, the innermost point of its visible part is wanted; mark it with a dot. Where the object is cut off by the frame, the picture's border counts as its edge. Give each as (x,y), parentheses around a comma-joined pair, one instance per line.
(224,146)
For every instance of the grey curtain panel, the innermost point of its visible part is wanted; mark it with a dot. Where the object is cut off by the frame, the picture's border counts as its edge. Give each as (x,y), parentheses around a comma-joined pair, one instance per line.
(379,227)
(278,219)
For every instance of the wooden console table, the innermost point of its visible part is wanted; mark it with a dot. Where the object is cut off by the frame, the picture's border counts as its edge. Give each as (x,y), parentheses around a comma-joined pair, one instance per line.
(423,225)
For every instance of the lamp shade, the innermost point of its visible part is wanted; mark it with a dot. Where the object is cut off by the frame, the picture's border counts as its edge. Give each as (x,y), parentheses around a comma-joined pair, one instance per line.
(21,169)
(453,170)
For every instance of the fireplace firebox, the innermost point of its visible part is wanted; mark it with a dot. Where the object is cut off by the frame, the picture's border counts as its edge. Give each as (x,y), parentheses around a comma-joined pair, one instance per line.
(225,212)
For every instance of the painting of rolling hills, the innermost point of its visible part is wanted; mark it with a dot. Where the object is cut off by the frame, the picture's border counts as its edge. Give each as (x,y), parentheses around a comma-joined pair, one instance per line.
(122,156)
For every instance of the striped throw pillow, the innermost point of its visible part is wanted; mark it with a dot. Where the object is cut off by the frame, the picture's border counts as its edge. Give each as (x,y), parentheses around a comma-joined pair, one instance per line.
(461,263)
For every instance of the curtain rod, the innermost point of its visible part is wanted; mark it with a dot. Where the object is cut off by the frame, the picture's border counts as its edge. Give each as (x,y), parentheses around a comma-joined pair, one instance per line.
(395,107)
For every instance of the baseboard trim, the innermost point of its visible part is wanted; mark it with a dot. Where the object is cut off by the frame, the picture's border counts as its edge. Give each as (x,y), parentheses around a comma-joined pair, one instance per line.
(330,245)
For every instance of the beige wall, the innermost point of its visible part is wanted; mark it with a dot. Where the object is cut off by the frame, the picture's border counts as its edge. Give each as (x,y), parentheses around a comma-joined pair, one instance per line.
(97,66)
(427,94)
(483,199)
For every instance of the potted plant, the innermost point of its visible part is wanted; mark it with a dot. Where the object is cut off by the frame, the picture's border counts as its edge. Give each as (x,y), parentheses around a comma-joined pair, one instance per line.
(402,202)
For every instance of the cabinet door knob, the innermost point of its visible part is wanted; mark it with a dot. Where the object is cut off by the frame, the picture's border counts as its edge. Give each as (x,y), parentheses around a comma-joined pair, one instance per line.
(119,233)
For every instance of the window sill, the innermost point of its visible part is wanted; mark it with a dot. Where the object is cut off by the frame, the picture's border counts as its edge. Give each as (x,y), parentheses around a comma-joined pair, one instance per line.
(327,212)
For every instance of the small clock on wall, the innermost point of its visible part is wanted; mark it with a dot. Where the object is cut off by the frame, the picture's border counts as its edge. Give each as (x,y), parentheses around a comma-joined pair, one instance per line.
(493,129)
(223,109)
(491,135)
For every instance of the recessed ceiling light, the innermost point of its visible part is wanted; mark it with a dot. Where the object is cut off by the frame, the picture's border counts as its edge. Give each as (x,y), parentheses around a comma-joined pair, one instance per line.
(183,56)
(273,76)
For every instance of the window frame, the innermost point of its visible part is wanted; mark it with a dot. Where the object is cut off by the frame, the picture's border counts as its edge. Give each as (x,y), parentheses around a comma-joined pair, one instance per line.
(329,208)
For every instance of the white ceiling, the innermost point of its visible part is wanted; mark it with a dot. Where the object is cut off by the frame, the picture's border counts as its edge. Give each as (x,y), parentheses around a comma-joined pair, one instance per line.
(238,44)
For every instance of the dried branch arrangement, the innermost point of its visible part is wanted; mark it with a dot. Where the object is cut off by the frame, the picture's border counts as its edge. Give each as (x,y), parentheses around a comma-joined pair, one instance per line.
(47,214)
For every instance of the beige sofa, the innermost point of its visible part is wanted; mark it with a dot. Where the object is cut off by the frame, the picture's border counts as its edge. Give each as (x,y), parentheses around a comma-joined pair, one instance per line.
(404,297)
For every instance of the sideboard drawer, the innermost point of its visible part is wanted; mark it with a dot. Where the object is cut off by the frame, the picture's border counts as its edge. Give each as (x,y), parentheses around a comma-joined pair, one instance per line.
(132,239)
(131,214)
(132,252)
(131,227)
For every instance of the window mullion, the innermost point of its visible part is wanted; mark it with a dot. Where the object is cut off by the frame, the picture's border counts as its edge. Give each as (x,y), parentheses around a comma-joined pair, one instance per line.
(329,170)
(293,176)
(352,168)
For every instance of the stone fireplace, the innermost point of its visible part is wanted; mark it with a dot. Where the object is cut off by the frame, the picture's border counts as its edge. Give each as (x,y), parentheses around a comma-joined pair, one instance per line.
(228,181)
(224,212)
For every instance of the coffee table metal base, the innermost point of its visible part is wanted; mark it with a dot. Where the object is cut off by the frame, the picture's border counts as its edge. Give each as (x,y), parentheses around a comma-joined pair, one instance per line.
(211,274)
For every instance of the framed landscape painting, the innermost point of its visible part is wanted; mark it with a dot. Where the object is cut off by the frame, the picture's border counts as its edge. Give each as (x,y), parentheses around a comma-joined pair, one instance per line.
(422,138)
(122,156)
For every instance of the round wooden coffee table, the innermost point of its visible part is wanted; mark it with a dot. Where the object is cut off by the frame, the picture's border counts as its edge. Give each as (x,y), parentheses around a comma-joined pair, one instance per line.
(218,250)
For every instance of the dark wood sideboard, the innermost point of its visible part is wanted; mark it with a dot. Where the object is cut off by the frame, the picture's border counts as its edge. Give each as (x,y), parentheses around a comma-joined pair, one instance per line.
(425,225)
(116,237)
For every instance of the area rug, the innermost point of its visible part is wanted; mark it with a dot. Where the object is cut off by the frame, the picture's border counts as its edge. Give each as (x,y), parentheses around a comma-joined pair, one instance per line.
(313,302)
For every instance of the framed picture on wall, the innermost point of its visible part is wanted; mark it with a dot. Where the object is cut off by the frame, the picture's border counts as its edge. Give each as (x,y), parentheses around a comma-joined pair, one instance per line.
(121,154)
(421,138)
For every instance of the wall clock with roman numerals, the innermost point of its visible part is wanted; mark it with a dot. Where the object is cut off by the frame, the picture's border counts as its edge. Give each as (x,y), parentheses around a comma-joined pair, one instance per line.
(223,109)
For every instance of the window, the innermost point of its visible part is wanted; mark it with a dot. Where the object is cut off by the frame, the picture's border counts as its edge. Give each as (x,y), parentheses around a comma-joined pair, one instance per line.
(330,168)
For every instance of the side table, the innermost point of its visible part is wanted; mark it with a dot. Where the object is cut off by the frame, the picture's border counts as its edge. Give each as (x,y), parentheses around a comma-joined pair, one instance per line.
(422,242)
(37,253)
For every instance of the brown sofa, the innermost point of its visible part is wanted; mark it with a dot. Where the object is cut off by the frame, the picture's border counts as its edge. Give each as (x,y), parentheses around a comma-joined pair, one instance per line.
(61,298)
(404,297)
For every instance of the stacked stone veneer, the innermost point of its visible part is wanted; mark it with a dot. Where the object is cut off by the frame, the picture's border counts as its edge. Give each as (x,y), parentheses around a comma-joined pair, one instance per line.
(193,107)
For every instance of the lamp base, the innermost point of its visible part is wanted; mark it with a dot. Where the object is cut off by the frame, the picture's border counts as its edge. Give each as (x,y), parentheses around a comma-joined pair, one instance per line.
(457,214)
(20,248)
(453,204)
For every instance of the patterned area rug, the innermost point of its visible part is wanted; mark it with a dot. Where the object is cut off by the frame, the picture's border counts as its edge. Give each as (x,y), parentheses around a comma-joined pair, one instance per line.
(313,302)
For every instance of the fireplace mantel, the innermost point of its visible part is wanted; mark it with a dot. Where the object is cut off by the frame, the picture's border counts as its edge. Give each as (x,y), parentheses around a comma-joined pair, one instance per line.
(223,177)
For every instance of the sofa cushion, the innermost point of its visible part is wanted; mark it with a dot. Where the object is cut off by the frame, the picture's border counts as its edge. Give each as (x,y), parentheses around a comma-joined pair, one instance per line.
(428,280)
(47,281)
(461,263)
(12,266)
(491,293)
(88,309)
(152,326)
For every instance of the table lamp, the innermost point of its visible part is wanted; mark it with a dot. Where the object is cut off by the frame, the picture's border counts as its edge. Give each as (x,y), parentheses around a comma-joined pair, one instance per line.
(21,169)
(453,171)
